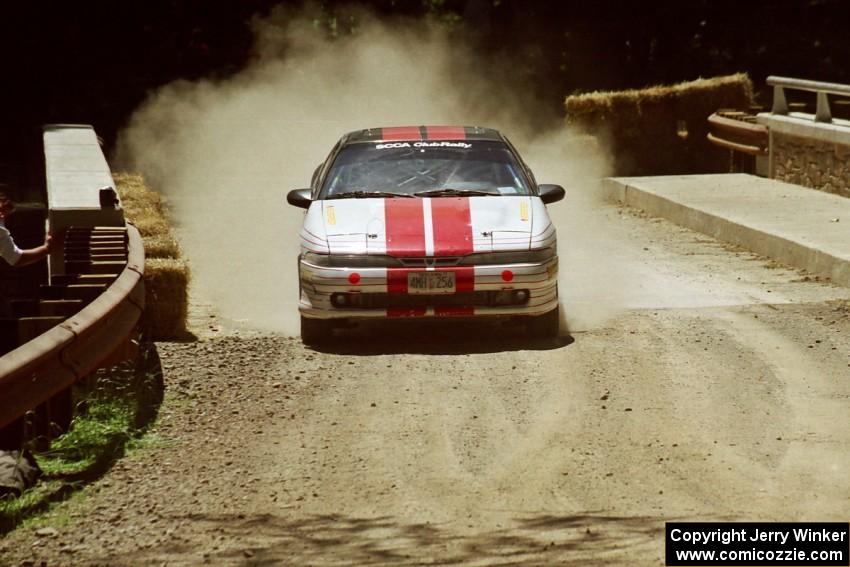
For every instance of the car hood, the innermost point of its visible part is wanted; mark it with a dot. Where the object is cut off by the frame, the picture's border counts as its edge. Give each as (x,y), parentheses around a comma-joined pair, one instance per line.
(414,227)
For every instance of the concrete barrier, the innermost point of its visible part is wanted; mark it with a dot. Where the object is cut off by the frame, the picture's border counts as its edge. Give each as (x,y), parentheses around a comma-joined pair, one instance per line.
(793,225)
(76,172)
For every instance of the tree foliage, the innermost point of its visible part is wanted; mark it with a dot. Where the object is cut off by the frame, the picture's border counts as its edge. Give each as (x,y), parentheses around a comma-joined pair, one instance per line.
(95,61)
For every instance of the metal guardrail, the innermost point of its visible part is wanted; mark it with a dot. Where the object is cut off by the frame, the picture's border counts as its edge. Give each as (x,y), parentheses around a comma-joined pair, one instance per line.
(734,131)
(41,368)
(822,113)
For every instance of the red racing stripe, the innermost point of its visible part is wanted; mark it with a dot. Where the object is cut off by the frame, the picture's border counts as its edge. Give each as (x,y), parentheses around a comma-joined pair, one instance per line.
(452,223)
(404,220)
(445,132)
(397,280)
(401,134)
(464,278)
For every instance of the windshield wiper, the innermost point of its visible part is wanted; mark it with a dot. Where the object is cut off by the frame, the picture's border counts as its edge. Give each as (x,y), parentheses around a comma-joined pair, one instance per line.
(363,194)
(451,192)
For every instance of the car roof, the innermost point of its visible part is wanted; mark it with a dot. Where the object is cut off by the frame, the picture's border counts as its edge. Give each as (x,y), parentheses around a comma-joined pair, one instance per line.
(422,133)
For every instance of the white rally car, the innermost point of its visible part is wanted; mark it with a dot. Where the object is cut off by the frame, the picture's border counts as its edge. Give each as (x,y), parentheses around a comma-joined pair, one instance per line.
(426,221)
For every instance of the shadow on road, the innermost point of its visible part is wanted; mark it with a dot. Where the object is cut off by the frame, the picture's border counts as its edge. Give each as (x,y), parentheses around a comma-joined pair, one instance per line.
(435,337)
(335,539)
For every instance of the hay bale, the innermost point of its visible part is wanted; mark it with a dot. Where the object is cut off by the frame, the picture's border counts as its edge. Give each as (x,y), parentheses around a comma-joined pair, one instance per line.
(166,298)
(136,196)
(151,225)
(161,246)
(661,130)
(166,275)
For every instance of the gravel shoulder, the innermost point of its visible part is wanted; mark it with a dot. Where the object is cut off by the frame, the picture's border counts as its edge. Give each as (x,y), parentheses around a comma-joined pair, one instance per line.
(719,391)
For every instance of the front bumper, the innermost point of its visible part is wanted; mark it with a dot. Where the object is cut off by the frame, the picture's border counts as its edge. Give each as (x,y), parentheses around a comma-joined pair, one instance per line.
(481,291)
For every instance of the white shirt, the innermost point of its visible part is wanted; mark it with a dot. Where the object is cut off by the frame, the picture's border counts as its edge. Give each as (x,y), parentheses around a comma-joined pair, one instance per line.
(8,250)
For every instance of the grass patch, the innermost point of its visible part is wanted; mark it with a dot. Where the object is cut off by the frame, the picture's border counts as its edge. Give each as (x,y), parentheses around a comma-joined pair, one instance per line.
(31,502)
(113,410)
(94,437)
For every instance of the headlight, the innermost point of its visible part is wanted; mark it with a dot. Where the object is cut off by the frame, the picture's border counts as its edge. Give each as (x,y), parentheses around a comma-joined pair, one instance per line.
(494,258)
(350,260)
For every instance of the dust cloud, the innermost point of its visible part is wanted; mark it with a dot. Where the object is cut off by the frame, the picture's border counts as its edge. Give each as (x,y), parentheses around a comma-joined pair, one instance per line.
(226,152)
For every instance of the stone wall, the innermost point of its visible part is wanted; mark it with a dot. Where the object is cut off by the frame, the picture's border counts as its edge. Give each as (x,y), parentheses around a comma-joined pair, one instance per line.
(808,153)
(812,163)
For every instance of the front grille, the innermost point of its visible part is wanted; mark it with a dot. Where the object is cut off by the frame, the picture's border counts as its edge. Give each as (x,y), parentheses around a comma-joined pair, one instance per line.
(403,300)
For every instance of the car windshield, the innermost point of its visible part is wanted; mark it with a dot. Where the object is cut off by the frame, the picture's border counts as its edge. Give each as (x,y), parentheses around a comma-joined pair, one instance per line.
(425,169)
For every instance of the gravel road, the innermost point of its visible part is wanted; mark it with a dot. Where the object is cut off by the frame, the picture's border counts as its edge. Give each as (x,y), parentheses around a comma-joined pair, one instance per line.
(716,387)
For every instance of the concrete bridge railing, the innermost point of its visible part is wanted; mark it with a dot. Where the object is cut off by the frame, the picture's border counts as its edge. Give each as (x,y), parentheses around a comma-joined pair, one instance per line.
(821,89)
(807,149)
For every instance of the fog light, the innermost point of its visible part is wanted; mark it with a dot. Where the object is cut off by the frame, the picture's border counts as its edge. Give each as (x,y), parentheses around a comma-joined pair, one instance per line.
(339,300)
(521,295)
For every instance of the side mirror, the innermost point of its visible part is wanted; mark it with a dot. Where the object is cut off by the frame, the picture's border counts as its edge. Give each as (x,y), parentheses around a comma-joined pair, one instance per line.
(299,198)
(550,193)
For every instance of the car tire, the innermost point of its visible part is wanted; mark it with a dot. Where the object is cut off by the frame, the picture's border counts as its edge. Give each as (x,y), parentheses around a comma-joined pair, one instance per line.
(315,331)
(545,326)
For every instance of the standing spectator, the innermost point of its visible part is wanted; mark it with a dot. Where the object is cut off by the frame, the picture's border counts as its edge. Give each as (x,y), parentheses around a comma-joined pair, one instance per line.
(8,249)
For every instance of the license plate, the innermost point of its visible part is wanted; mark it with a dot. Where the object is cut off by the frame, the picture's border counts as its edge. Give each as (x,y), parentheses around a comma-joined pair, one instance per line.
(430,282)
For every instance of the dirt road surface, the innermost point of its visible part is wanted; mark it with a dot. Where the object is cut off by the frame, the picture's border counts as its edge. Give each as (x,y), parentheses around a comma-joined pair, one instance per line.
(717,389)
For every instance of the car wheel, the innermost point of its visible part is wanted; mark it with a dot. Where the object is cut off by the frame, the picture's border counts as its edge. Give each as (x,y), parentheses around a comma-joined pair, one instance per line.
(546,325)
(315,331)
